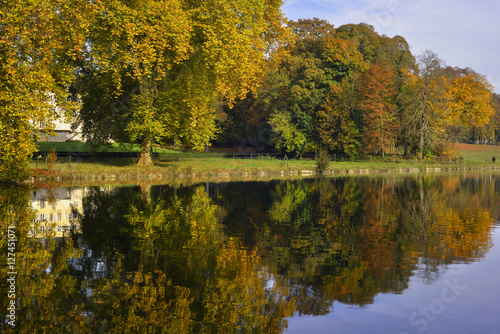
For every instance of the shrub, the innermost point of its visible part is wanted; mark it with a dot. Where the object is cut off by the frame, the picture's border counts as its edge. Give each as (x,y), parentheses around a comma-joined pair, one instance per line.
(322,160)
(447,150)
(51,158)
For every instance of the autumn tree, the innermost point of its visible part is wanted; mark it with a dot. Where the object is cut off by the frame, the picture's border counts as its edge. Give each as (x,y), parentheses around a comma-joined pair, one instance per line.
(294,92)
(38,42)
(338,122)
(469,110)
(318,61)
(311,92)
(470,100)
(443,102)
(364,37)
(495,119)
(397,55)
(427,104)
(379,112)
(286,135)
(341,57)
(183,58)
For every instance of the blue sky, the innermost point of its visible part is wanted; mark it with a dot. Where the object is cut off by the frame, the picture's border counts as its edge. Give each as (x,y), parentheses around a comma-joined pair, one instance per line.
(463,33)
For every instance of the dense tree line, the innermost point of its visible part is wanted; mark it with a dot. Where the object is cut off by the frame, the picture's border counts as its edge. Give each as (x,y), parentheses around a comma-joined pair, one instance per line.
(225,72)
(355,92)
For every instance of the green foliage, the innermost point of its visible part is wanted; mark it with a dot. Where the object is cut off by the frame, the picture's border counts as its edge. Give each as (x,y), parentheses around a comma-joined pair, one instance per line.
(183,58)
(322,160)
(337,118)
(285,134)
(318,86)
(103,114)
(177,260)
(232,123)
(341,58)
(321,93)
(301,84)
(311,35)
(170,71)
(366,40)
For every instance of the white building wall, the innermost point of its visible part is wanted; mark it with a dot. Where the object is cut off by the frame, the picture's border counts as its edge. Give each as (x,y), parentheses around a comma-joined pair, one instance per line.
(62,128)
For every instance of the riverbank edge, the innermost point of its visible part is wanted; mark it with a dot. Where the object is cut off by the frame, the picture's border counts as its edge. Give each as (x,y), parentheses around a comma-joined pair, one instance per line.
(224,175)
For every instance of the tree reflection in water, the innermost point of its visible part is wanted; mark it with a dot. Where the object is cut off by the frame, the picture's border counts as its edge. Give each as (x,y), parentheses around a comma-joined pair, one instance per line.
(241,257)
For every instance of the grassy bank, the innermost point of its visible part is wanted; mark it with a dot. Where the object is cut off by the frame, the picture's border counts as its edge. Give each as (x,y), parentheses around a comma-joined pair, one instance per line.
(478,153)
(221,167)
(478,157)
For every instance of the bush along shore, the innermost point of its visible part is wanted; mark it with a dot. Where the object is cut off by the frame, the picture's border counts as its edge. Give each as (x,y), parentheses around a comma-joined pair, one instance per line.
(227,169)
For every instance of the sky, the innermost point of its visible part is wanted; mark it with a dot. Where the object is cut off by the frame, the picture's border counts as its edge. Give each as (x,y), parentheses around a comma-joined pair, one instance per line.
(463,33)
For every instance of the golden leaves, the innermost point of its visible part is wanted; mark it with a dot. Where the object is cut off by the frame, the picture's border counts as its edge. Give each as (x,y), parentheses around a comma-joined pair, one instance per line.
(469,99)
(38,41)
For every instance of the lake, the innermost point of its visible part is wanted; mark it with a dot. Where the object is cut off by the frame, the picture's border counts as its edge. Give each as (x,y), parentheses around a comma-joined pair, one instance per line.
(363,254)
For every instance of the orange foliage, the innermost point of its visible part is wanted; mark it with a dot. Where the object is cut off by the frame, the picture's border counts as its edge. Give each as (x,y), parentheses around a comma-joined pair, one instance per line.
(379,112)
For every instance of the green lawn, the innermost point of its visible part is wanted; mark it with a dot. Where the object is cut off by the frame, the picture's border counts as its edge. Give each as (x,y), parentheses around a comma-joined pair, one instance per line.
(479,153)
(472,153)
(81,147)
(217,164)
(478,156)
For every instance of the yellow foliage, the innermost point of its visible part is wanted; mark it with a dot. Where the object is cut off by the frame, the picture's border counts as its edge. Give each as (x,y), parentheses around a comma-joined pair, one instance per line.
(37,46)
(469,100)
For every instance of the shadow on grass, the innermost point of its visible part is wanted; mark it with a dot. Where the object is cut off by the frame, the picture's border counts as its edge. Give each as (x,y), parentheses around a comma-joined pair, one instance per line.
(115,162)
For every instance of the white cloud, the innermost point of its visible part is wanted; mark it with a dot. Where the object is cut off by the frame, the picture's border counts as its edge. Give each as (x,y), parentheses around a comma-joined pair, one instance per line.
(463,33)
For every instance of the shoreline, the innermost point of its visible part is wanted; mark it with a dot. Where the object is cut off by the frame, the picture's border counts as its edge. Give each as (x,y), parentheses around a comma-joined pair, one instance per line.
(189,175)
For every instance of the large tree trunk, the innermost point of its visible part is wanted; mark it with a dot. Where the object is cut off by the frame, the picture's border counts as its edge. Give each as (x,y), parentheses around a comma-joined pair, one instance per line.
(145,158)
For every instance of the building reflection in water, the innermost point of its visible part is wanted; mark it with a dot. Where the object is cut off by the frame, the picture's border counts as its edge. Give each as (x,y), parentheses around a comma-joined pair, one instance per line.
(57,212)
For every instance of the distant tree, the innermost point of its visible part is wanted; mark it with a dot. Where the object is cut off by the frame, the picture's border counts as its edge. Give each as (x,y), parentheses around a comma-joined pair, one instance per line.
(318,61)
(377,92)
(494,124)
(299,86)
(286,137)
(470,104)
(397,55)
(232,123)
(426,106)
(470,97)
(364,37)
(341,57)
(338,124)
(311,35)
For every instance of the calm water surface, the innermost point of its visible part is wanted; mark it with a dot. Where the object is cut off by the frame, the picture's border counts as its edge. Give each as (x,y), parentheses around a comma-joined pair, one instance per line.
(379,254)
